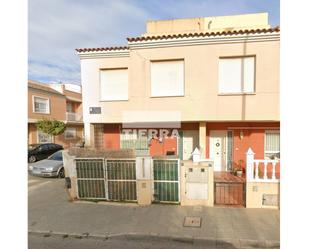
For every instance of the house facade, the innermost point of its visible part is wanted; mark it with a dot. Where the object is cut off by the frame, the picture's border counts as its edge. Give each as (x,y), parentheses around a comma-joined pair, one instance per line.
(62,102)
(210,83)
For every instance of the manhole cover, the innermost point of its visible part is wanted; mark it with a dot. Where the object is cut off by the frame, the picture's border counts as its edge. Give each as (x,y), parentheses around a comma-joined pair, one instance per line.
(192,222)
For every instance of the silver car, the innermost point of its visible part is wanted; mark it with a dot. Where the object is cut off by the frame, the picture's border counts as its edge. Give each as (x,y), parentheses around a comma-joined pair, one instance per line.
(49,167)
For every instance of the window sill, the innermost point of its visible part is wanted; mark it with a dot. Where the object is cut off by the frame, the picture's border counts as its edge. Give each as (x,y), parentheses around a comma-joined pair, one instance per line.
(42,112)
(235,94)
(173,96)
(116,100)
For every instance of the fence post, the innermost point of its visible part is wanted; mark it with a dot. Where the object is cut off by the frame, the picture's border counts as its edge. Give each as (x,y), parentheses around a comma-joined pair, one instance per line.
(274,171)
(265,169)
(249,164)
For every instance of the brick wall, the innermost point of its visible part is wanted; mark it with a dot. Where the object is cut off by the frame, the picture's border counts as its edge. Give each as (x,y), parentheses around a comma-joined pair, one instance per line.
(98,136)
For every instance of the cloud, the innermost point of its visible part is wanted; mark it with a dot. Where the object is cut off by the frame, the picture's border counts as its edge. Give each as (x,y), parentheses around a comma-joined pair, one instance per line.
(57,27)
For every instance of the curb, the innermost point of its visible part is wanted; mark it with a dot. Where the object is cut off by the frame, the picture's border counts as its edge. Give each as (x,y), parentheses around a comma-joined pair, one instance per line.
(239,243)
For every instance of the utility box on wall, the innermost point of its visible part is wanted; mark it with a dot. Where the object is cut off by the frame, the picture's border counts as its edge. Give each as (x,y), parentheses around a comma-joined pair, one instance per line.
(197,181)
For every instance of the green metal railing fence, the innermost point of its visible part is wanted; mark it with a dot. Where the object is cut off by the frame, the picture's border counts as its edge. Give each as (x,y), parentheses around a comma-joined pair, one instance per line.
(166,180)
(106,179)
(115,179)
(90,178)
(121,175)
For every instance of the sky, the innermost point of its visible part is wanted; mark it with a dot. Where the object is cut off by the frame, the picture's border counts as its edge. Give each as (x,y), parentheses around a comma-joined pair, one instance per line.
(57,27)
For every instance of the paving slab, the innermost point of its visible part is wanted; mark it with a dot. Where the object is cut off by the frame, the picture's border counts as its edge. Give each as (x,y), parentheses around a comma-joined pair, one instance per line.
(50,210)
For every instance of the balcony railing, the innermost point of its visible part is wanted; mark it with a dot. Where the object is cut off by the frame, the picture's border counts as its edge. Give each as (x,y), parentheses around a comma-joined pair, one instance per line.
(262,170)
(72,116)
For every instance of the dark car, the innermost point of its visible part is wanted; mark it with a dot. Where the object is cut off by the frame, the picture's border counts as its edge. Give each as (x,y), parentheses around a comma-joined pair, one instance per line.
(38,152)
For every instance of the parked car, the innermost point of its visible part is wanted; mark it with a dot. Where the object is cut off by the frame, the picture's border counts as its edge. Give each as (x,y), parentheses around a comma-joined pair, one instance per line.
(50,167)
(38,152)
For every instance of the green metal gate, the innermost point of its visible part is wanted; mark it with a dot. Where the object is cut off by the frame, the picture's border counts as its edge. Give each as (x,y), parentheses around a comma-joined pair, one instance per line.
(110,179)
(121,179)
(91,178)
(166,180)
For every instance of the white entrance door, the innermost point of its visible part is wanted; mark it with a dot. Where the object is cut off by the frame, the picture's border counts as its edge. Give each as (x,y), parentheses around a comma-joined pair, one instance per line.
(190,142)
(218,149)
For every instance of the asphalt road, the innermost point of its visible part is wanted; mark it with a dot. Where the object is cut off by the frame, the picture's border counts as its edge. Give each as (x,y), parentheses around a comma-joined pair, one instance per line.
(43,241)
(35,183)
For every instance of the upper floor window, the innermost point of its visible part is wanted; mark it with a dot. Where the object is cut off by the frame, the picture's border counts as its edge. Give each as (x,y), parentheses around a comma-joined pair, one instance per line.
(40,105)
(114,84)
(272,144)
(167,78)
(69,107)
(236,75)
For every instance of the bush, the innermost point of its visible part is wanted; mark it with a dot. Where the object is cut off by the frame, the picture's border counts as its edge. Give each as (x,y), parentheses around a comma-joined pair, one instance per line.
(51,127)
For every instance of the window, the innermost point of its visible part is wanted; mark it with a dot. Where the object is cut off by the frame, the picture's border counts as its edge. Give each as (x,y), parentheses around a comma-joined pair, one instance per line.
(40,105)
(69,107)
(114,84)
(70,133)
(167,78)
(272,144)
(229,150)
(236,75)
(132,141)
(44,138)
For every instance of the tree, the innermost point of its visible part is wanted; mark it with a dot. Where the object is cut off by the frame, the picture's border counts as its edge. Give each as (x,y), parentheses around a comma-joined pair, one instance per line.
(51,127)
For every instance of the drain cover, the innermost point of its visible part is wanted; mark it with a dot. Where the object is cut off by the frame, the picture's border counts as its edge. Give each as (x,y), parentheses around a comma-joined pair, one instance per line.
(192,221)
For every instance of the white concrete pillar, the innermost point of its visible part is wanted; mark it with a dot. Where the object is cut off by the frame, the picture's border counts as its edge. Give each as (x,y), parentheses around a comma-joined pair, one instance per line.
(89,134)
(250,164)
(202,139)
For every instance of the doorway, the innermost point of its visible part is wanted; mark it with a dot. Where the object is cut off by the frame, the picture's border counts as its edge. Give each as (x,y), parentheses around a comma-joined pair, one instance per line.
(221,149)
(190,142)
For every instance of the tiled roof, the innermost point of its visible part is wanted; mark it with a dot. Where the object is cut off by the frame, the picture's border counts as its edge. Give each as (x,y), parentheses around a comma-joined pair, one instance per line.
(203,34)
(42,86)
(183,35)
(82,50)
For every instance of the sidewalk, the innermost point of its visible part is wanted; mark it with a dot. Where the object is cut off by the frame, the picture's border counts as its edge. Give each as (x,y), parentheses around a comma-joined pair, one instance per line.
(49,210)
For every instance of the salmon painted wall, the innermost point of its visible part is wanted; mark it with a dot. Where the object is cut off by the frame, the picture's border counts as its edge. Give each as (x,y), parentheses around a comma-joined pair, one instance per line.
(57,104)
(158,148)
(189,126)
(111,138)
(169,144)
(253,138)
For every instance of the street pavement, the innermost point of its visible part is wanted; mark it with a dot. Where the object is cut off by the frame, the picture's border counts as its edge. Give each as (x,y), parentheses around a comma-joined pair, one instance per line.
(44,241)
(52,215)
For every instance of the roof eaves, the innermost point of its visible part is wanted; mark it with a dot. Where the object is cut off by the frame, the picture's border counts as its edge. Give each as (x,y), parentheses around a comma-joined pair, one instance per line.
(85,50)
(203,34)
(40,86)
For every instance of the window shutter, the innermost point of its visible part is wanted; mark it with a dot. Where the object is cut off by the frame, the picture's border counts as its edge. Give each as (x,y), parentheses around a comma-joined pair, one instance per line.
(114,84)
(248,74)
(230,75)
(167,78)
(272,142)
(236,75)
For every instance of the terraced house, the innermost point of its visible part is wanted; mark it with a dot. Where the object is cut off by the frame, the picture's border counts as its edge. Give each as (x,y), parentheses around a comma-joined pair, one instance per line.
(55,101)
(209,83)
